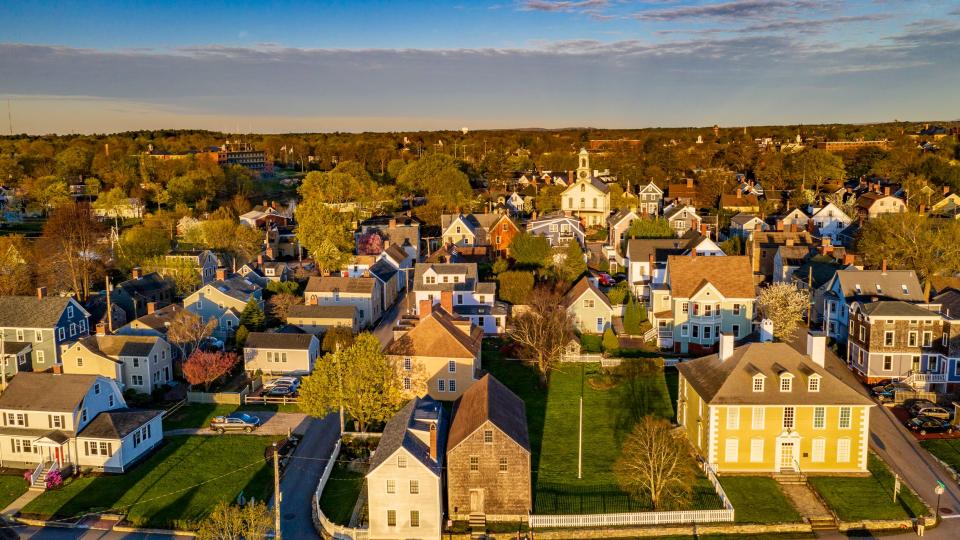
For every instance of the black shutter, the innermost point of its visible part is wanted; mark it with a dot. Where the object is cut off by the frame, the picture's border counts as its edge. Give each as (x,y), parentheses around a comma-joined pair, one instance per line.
(49,420)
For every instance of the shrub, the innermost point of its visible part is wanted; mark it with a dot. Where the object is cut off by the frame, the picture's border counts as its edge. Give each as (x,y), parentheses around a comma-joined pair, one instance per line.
(515,286)
(610,341)
(618,294)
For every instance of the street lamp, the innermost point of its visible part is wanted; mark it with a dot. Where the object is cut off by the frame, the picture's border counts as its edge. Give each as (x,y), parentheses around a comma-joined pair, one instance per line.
(939,491)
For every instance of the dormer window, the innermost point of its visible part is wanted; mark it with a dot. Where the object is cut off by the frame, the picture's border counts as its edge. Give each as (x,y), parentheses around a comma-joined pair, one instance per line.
(813,384)
(786,382)
(879,289)
(758,383)
(904,289)
(857,289)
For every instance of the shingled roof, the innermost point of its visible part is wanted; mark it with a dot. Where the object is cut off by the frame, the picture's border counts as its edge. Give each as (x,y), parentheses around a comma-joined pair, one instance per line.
(580,288)
(117,424)
(489,400)
(729,275)
(273,340)
(416,415)
(30,391)
(730,381)
(32,311)
(438,335)
(115,346)
(343,285)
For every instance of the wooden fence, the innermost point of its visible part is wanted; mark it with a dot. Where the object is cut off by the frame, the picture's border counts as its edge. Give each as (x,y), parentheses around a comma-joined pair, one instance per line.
(229,398)
(273,400)
(328,528)
(642,518)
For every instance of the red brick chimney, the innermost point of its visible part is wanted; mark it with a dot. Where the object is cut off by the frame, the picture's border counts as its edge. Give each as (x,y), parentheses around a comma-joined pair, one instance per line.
(151,307)
(426,306)
(101,328)
(221,274)
(392,223)
(779,224)
(650,262)
(136,273)
(703,230)
(690,183)
(883,266)
(433,442)
(569,177)
(260,259)
(41,292)
(446,301)
(849,258)
(946,190)
(886,190)
(739,194)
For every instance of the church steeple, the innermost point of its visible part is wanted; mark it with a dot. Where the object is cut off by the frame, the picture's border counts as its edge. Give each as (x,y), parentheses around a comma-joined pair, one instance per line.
(583,170)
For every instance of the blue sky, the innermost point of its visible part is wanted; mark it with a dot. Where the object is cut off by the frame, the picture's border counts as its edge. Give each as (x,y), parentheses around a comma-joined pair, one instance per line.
(324,66)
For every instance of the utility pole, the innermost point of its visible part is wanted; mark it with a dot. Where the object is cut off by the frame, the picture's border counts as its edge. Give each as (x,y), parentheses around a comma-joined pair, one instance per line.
(580,430)
(276,492)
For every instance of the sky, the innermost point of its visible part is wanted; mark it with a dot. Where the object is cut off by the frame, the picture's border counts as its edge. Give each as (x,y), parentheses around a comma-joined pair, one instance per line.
(270,67)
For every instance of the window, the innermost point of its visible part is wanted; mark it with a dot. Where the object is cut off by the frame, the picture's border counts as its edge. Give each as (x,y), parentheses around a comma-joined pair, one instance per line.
(452,385)
(736,309)
(757,382)
(391,518)
(888,338)
(786,383)
(96,388)
(927,338)
(887,362)
(37,336)
(813,384)
(401,462)
(843,450)
(79,361)
(818,450)
(110,401)
(503,464)
(789,413)
(407,384)
(696,331)
(488,436)
(819,417)
(73,329)
(452,366)
(733,417)
(707,310)
(731,451)
(758,417)
(684,330)
(600,324)
(136,380)
(441,385)
(933,363)
(61,335)
(685,307)
(56,421)
(414,487)
(736,330)
(40,356)
(912,338)
(706,332)
(414,518)
(474,464)
(136,361)
(407,364)
(756,450)
(845,417)
(588,303)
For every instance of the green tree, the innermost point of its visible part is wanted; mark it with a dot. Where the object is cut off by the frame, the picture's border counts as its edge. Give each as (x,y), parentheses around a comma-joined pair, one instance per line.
(325,233)
(610,342)
(229,522)
(252,316)
(139,244)
(619,293)
(911,241)
(336,338)
(529,250)
(111,202)
(240,336)
(632,318)
(573,265)
(181,272)
(359,381)
(784,304)
(419,177)
(500,265)
(650,228)
(813,167)
(515,286)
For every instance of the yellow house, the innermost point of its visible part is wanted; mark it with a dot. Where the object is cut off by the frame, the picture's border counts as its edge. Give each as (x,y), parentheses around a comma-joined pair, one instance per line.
(767,408)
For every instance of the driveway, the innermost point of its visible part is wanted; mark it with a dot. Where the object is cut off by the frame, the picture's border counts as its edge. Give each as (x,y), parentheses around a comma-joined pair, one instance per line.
(272,423)
(384,330)
(302,474)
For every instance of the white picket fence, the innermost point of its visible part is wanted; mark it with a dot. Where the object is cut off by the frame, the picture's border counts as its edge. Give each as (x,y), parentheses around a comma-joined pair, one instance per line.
(642,518)
(331,529)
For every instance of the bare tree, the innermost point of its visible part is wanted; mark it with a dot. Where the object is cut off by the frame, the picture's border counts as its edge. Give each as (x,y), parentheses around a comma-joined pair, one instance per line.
(783,304)
(281,303)
(74,248)
(655,464)
(187,331)
(229,522)
(543,329)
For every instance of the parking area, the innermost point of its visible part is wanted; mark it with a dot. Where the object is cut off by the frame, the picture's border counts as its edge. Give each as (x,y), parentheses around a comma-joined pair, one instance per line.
(903,416)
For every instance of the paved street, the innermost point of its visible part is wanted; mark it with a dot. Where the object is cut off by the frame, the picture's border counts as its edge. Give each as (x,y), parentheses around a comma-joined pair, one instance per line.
(301,477)
(54,533)
(384,330)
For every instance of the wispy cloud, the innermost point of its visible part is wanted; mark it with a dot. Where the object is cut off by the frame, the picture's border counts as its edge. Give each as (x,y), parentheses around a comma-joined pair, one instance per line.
(563,5)
(736,9)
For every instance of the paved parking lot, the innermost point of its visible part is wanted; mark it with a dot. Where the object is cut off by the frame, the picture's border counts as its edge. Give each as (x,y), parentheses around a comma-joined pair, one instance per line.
(273,423)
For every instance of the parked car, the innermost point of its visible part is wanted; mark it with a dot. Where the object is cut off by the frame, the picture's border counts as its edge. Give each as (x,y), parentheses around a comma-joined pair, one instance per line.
(604,279)
(235,422)
(926,424)
(281,391)
(888,391)
(619,276)
(915,405)
(934,412)
(292,382)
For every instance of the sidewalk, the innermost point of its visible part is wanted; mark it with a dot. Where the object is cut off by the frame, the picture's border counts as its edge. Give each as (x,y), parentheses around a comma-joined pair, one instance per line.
(23,500)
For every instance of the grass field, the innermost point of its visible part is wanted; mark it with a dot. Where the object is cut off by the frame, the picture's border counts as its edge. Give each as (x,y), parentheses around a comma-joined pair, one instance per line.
(947,450)
(612,405)
(198,415)
(758,499)
(868,497)
(11,487)
(174,488)
(340,494)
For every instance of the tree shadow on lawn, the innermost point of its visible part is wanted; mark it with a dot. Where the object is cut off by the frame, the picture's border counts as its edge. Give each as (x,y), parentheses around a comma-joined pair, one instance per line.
(640,391)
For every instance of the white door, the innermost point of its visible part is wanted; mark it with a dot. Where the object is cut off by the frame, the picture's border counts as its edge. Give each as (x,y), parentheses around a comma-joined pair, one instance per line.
(786,455)
(476,501)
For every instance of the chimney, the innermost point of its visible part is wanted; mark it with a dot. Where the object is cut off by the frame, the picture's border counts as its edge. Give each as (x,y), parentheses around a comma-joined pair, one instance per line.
(433,441)
(849,258)
(41,292)
(883,267)
(793,227)
(101,328)
(886,190)
(725,347)
(57,369)
(313,301)
(693,252)
(386,244)
(703,229)
(136,273)
(446,301)
(426,306)
(569,177)
(946,190)
(260,259)
(816,347)
(650,262)
(739,194)
(151,307)
(392,224)
(690,183)
(221,273)
(273,205)
(779,224)
(766,331)
(922,209)
(269,253)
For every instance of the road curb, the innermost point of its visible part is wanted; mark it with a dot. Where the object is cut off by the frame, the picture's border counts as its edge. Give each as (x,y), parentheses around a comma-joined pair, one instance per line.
(117,528)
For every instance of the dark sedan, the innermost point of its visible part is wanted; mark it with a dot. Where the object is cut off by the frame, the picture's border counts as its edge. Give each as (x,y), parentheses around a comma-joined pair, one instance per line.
(926,424)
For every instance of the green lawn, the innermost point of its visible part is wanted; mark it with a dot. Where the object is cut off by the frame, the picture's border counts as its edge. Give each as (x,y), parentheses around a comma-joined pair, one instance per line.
(758,499)
(612,405)
(868,497)
(947,450)
(198,415)
(11,487)
(340,494)
(174,488)
(590,344)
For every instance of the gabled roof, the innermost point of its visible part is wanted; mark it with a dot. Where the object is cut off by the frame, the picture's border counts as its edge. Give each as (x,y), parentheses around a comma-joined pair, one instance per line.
(824,267)
(620,215)
(237,287)
(346,285)
(161,318)
(677,209)
(731,276)
(949,301)
(743,218)
(488,400)
(438,335)
(868,199)
(727,200)
(396,253)
(879,284)
(416,415)
(33,312)
(640,249)
(468,270)
(896,308)
(31,391)
(729,382)
(321,312)
(146,284)
(581,288)
(117,424)
(383,270)
(115,346)
(273,340)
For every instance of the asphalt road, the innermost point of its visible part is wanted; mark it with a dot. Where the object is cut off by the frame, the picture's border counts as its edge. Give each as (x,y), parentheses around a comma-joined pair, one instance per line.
(302,475)
(384,330)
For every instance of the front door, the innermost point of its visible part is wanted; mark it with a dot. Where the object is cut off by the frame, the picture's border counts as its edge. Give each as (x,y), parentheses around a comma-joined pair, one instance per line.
(476,501)
(786,455)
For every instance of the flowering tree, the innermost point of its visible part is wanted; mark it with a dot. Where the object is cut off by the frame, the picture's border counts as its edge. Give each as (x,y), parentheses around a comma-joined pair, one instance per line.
(783,304)
(205,367)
